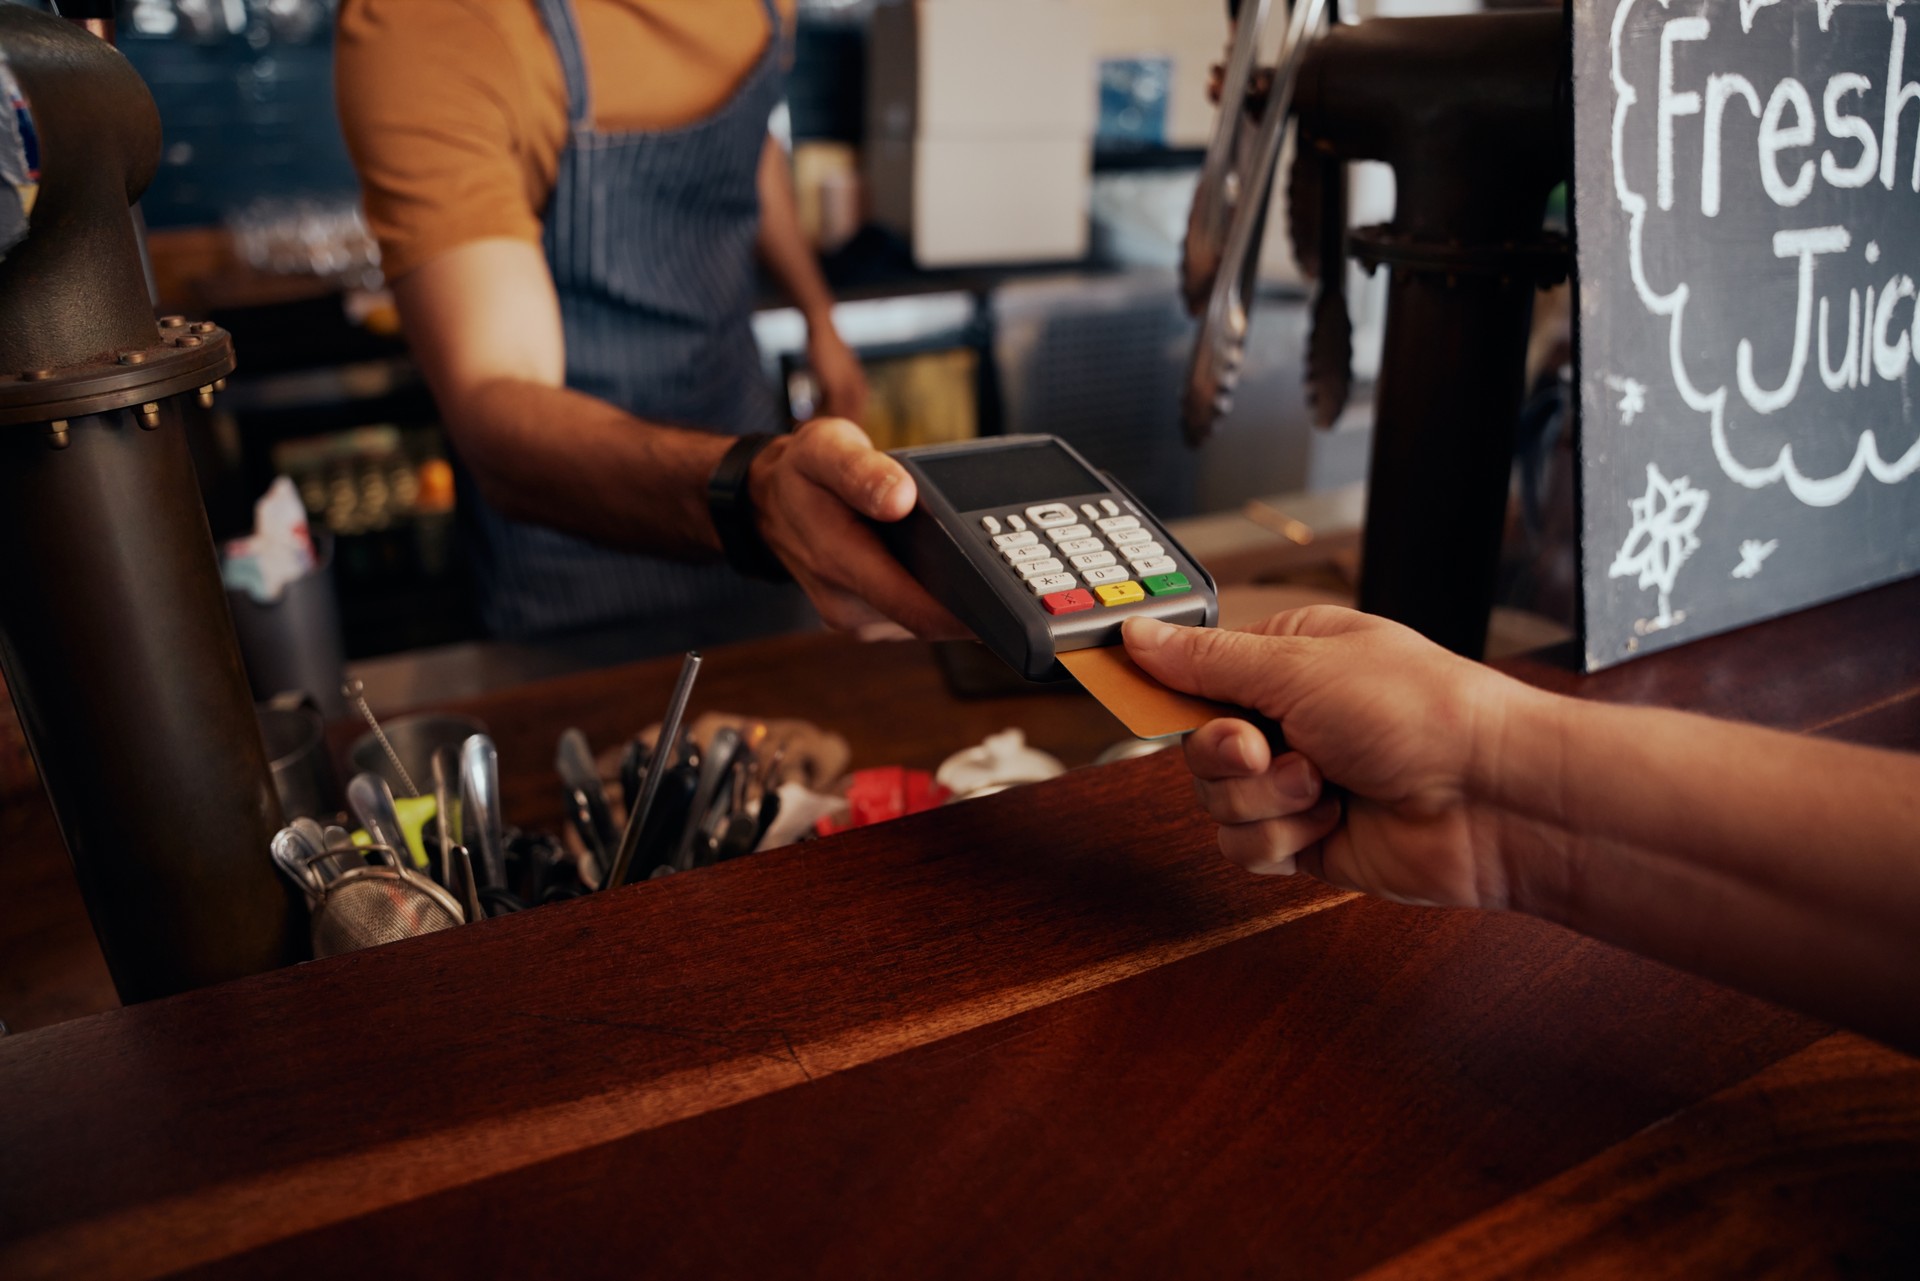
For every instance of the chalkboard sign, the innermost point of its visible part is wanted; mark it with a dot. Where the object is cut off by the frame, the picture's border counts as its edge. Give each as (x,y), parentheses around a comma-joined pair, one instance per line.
(1747,214)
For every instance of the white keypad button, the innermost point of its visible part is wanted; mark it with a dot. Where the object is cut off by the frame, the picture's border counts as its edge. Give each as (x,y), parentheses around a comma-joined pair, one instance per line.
(1014,522)
(1047,515)
(1114,524)
(1076,546)
(1067,533)
(1158,565)
(990,523)
(1048,584)
(1113,508)
(1128,537)
(1143,551)
(1093,560)
(1022,555)
(1112,574)
(1006,541)
(1090,511)
(1035,568)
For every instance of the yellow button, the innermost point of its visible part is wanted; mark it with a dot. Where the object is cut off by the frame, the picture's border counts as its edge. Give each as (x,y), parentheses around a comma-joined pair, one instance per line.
(1120,593)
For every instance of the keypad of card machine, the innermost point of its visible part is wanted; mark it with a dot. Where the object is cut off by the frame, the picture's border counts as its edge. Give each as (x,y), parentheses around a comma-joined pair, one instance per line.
(1088,555)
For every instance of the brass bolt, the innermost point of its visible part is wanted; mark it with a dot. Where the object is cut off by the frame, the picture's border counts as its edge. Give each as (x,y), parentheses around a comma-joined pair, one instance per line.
(206,396)
(150,415)
(57,434)
(202,327)
(133,357)
(188,341)
(172,322)
(36,375)
(219,384)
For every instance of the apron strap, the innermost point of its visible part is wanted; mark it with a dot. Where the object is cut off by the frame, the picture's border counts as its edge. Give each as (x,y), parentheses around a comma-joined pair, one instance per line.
(565,33)
(774,33)
(780,36)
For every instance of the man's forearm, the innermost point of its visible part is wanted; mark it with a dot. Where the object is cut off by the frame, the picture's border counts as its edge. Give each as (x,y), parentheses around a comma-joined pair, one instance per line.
(1783,864)
(557,457)
(782,245)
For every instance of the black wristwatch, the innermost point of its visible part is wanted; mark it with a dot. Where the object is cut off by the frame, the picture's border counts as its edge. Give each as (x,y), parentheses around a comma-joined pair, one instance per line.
(731,507)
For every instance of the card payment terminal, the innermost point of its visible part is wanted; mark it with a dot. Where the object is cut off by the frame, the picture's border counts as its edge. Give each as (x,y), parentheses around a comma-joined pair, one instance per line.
(1039,553)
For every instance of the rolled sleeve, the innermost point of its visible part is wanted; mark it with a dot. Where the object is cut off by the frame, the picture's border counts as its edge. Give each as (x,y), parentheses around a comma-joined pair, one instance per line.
(436,113)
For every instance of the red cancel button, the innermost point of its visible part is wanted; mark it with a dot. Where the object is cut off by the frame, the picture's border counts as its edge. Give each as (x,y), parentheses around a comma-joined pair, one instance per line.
(1068,602)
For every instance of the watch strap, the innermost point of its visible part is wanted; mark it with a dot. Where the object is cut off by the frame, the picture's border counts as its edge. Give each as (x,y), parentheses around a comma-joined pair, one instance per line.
(730,505)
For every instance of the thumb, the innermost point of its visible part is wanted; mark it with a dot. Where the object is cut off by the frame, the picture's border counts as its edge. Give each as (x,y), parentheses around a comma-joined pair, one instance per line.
(1230,667)
(838,456)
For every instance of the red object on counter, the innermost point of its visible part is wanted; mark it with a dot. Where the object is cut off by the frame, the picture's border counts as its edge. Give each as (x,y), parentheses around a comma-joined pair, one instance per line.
(890,791)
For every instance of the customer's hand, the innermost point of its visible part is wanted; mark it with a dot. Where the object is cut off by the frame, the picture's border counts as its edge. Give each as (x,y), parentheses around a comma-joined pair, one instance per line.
(837,374)
(1390,737)
(810,490)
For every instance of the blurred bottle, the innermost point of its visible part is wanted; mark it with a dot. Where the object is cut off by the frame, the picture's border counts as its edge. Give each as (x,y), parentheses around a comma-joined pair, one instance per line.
(433,503)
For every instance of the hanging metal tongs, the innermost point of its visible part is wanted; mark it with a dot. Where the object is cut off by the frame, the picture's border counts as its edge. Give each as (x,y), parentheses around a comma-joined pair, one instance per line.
(1221,257)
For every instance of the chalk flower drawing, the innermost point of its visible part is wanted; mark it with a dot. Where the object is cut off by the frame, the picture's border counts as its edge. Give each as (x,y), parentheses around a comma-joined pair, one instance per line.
(1804,244)
(1633,397)
(1753,553)
(1662,537)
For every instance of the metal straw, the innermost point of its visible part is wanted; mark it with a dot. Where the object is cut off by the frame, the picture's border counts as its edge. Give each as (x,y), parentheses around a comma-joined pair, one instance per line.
(469,886)
(357,695)
(443,818)
(663,755)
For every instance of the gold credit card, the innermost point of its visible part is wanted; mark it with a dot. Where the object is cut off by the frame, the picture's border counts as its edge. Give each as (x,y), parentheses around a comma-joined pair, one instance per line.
(1146,707)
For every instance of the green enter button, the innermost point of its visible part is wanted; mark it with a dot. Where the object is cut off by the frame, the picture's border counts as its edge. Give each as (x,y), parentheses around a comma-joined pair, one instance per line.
(1166,584)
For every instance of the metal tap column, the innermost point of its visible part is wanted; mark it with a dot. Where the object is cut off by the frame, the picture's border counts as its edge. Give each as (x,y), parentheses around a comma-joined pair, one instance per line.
(114,633)
(1471,113)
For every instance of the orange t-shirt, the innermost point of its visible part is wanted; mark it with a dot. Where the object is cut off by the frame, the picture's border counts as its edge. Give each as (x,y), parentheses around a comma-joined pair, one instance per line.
(455,111)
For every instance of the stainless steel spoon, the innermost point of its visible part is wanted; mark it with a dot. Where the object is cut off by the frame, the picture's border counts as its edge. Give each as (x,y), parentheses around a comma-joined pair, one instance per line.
(342,854)
(290,854)
(371,801)
(480,806)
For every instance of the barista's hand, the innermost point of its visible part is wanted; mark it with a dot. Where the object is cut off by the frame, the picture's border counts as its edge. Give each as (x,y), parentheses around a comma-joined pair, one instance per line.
(837,373)
(1405,730)
(810,490)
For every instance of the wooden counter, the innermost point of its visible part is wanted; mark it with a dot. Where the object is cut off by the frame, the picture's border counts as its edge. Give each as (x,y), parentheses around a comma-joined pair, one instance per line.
(1045,1033)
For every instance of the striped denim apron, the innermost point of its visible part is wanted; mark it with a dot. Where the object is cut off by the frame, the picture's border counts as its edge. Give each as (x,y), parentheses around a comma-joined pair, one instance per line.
(650,239)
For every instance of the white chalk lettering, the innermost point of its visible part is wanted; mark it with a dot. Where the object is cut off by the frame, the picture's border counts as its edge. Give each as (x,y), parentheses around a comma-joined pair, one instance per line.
(1673,104)
(1787,121)
(1719,89)
(1890,358)
(1846,375)
(1866,347)
(1774,139)
(1819,118)
(1899,94)
(1842,125)
(1805,245)
(1750,7)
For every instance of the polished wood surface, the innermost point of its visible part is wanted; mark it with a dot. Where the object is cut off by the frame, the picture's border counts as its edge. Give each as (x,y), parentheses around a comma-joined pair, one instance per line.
(1808,1167)
(1038,1033)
